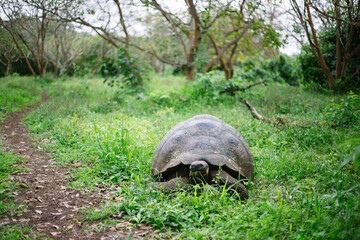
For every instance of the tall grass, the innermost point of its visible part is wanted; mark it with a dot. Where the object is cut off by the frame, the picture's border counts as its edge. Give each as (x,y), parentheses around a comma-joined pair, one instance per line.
(107,136)
(16,92)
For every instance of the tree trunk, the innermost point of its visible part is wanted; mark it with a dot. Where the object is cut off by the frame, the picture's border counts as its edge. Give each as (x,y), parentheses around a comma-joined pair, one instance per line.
(22,52)
(190,72)
(338,42)
(8,67)
(229,72)
(317,50)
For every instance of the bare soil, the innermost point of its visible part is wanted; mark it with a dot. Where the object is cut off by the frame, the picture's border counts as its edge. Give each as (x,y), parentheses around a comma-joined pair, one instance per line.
(50,207)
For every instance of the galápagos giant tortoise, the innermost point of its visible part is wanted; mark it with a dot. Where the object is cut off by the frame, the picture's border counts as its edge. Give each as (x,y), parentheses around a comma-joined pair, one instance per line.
(203,148)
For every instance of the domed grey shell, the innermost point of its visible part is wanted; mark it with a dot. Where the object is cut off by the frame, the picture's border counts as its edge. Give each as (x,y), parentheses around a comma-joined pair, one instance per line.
(203,137)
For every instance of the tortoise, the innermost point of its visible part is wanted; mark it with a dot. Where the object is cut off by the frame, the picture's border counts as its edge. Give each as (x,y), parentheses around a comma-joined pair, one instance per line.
(203,148)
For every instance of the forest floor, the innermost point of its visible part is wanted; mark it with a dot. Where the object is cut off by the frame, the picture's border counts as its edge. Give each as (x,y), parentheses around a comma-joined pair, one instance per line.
(51,208)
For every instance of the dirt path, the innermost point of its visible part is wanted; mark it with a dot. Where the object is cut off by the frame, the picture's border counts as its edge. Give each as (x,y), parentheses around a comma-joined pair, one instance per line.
(51,208)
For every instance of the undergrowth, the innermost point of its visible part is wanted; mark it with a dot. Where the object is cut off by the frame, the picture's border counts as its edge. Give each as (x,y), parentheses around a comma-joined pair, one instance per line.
(17,92)
(7,185)
(107,137)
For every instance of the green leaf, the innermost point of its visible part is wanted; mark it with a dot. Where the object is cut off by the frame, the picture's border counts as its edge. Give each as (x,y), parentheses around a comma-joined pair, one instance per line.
(347,159)
(357,158)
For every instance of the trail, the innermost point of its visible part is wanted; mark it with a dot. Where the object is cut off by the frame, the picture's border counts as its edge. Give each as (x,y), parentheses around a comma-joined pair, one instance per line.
(50,207)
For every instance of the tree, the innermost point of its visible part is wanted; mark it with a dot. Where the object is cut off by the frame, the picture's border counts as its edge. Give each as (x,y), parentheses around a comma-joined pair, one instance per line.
(9,52)
(191,26)
(27,23)
(187,27)
(217,25)
(64,47)
(228,30)
(340,15)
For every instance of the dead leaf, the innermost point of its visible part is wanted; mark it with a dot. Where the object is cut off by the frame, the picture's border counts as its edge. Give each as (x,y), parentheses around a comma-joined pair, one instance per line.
(56,214)
(71,227)
(54,233)
(38,211)
(117,216)
(66,205)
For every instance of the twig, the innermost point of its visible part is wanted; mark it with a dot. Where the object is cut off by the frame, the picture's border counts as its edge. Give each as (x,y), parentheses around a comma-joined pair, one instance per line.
(281,120)
(234,89)
(255,114)
(183,99)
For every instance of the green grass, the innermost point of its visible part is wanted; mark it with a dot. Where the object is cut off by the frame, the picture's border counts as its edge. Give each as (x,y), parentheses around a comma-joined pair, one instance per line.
(16,92)
(17,232)
(107,136)
(7,185)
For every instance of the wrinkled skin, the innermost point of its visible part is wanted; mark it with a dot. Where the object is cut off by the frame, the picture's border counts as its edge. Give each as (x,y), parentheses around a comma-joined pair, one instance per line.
(200,171)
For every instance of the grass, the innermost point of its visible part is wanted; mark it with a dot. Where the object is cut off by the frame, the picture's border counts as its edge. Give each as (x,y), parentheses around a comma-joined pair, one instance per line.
(8,207)
(7,185)
(107,136)
(16,232)
(15,93)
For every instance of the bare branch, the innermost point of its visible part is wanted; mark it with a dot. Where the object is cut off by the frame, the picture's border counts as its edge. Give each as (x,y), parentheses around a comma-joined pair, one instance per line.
(122,21)
(332,16)
(226,46)
(174,25)
(255,114)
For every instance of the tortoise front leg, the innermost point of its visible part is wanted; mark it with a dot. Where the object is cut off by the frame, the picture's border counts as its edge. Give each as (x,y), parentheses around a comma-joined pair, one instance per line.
(173,184)
(225,178)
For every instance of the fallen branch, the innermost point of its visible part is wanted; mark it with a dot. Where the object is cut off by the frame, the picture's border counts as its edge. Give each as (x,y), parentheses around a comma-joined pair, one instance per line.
(255,114)
(281,120)
(183,99)
(234,89)
(285,121)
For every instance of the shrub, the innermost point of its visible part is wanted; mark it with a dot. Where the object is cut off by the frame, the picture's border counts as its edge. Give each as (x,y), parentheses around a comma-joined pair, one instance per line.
(345,113)
(122,67)
(314,78)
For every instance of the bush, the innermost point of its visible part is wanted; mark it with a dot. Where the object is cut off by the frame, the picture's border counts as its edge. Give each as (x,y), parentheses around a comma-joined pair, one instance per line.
(345,113)
(314,78)
(122,67)
(282,69)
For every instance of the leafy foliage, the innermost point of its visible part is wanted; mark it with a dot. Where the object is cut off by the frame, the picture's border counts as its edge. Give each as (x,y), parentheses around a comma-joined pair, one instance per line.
(210,85)
(354,147)
(121,66)
(314,77)
(345,113)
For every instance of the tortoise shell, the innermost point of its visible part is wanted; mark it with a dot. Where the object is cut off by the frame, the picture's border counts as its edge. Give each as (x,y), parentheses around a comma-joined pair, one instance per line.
(204,137)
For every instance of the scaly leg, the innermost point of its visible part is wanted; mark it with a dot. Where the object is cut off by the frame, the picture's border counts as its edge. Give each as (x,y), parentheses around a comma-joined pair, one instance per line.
(224,178)
(173,184)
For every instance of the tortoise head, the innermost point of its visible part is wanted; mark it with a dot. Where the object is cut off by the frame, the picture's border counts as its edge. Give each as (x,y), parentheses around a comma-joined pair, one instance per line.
(199,169)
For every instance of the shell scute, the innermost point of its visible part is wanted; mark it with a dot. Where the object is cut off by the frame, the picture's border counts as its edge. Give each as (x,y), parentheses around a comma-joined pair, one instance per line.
(207,138)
